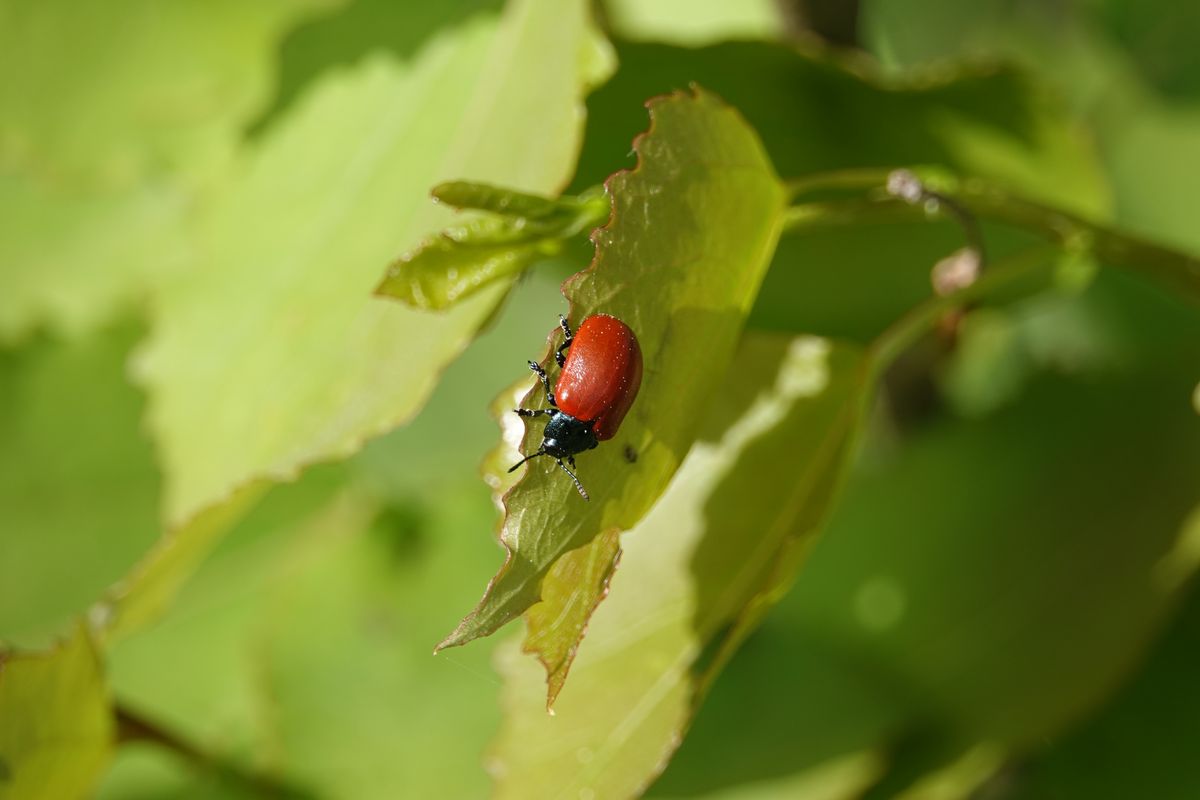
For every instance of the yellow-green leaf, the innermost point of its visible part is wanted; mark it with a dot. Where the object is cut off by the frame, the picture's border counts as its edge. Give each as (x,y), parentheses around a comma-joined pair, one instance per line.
(100,93)
(517,230)
(56,724)
(742,507)
(444,270)
(113,118)
(272,354)
(70,258)
(571,591)
(691,235)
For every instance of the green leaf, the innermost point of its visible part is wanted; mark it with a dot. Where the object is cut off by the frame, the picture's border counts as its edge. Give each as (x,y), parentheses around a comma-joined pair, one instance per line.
(1093,554)
(485,197)
(304,646)
(219,618)
(58,726)
(727,542)
(156,85)
(899,623)
(355,31)
(348,651)
(272,355)
(1154,191)
(693,22)
(681,260)
(987,122)
(71,258)
(461,260)
(743,506)
(846,777)
(999,351)
(148,103)
(815,115)
(376,589)
(1150,722)
(143,594)
(442,271)
(1123,85)
(579,579)
(571,592)
(78,485)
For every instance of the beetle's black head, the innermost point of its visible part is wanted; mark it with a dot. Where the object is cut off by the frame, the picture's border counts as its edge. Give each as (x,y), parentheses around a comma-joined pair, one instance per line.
(565,436)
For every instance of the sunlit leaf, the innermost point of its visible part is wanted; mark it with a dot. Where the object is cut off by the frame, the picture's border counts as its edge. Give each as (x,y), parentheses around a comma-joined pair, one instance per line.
(154,83)
(577,582)
(693,22)
(57,727)
(443,270)
(69,258)
(838,780)
(384,590)
(272,354)
(571,591)
(113,118)
(460,260)
(689,571)
(485,197)
(354,31)
(680,262)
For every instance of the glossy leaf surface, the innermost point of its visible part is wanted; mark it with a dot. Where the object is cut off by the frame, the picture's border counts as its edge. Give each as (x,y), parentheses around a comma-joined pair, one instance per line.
(311,365)
(680,262)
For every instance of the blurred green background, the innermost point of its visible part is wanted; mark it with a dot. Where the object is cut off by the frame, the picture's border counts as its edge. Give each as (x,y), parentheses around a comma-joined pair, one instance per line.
(1000,605)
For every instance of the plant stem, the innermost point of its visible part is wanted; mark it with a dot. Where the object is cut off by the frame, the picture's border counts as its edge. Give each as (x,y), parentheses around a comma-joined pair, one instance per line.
(1180,271)
(132,727)
(838,179)
(903,333)
(1177,270)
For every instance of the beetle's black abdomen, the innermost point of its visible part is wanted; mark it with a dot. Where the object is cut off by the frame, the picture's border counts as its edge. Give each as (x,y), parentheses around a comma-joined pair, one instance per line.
(565,436)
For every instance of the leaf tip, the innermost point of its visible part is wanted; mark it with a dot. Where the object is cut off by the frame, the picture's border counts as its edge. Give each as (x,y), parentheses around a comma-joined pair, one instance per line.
(453,639)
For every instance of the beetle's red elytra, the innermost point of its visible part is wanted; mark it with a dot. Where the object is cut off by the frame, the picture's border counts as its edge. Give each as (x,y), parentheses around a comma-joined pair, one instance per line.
(602,374)
(600,378)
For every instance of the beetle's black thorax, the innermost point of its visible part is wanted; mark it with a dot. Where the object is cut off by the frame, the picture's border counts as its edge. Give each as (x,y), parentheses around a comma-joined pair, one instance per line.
(565,436)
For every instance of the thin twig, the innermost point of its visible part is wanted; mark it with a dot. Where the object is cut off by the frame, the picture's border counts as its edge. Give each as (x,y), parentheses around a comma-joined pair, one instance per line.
(976,200)
(133,727)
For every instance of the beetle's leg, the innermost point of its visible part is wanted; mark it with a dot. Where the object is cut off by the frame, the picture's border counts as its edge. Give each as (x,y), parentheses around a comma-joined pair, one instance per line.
(541,373)
(571,461)
(566,329)
(582,492)
(533,412)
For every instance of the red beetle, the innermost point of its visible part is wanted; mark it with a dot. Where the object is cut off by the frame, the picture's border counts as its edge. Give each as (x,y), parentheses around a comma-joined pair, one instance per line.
(601,375)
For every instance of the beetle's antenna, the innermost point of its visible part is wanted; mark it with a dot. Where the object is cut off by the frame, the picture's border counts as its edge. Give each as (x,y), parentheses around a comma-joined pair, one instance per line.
(540,452)
(578,485)
(582,492)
